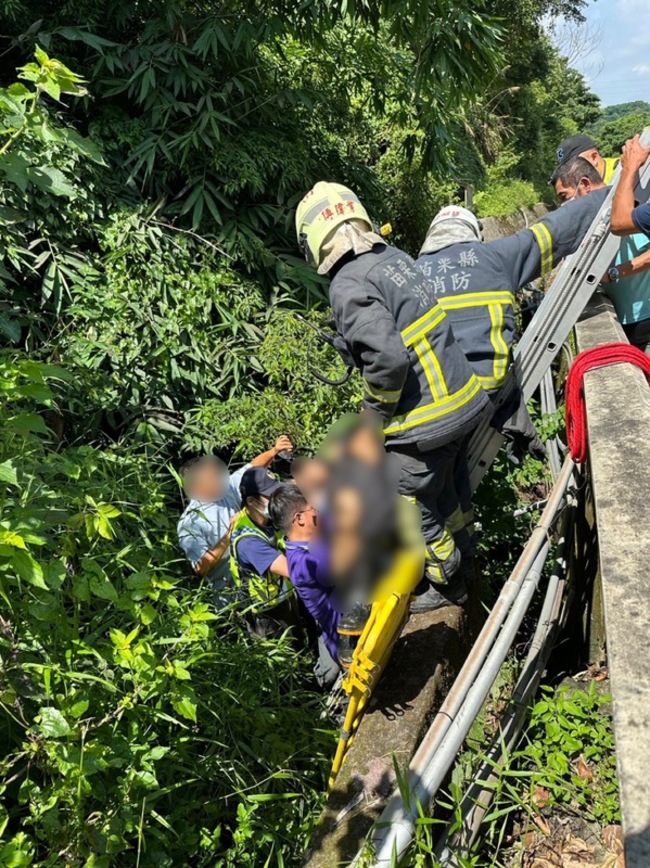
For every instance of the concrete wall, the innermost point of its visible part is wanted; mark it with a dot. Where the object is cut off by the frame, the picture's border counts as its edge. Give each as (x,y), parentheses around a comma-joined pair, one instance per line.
(618,419)
(498,227)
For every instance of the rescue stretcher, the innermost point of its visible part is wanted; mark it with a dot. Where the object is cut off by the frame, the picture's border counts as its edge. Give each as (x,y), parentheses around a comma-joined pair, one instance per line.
(388,615)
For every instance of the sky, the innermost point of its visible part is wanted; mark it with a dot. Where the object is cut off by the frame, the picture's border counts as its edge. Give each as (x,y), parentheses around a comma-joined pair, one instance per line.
(618,67)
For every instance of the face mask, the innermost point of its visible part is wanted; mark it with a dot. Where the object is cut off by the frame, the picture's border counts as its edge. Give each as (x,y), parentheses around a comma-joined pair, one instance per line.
(263,509)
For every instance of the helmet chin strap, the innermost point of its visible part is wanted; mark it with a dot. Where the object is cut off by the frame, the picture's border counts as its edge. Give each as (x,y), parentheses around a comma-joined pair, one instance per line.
(305,248)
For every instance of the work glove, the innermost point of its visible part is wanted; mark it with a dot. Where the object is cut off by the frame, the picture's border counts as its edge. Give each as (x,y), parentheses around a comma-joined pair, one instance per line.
(342,349)
(514,422)
(518,444)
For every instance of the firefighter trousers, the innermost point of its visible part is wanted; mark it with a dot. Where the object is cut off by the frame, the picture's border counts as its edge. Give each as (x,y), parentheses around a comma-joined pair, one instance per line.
(429,478)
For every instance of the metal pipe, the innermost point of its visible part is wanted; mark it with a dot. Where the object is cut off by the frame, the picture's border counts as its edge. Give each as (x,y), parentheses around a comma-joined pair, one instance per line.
(473,669)
(478,797)
(549,407)
(397,822)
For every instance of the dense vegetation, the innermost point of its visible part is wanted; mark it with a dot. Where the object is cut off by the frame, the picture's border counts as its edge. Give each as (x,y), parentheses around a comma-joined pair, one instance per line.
(618,123)
(147,284)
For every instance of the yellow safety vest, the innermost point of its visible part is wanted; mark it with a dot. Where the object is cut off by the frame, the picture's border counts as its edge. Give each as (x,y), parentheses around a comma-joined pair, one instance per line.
(610,167)
(264,591)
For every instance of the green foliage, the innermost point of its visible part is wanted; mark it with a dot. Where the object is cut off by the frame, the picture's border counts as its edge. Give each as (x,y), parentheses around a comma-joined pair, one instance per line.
(612,135)
(570,752)
(565,764)
(137,726)
(501,198)
(163,329)
(293,402)
(40,161)
(148,250)
(615,112)
(539,101)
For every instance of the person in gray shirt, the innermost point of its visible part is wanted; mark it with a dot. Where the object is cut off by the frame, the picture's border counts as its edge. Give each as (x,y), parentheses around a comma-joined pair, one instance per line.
(205,526)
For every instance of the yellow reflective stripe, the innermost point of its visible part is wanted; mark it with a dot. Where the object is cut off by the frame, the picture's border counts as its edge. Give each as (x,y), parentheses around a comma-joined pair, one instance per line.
(432,369)
(545,242)
(476,299)
(440,377)
(501,351)
(489,383)
(455,522)
(422,352)
(437,409)
(495,302)
(442,548)
(386,396)
(421,326)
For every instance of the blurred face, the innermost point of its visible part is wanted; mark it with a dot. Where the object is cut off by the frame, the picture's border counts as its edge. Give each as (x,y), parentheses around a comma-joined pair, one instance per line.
(366,446)
(209,482)
(311,478)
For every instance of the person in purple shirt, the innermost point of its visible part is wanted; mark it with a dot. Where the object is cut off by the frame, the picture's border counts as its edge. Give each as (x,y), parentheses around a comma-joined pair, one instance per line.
(308,571)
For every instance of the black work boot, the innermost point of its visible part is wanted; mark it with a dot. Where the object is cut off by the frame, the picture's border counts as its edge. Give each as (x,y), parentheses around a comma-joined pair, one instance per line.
(349,629)
(434,595)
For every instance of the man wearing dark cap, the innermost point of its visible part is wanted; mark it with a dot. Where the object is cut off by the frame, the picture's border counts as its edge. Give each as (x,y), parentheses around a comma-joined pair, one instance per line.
(259,569)
(585,147)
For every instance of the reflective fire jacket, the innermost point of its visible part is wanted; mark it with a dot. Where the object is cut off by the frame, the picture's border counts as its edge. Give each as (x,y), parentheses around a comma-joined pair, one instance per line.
(415,374)
(475,282)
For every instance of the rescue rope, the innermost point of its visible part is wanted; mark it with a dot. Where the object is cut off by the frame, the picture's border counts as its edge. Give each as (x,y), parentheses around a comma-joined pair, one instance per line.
(588,360)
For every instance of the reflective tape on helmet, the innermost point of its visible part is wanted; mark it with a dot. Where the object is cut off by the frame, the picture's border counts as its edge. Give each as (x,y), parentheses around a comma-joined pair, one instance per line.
(321,211)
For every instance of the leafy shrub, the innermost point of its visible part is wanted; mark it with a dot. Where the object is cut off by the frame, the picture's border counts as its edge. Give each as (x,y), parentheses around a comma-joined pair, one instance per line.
(137,727)
(504,193)
(292,402)
(570,752)
(501,198)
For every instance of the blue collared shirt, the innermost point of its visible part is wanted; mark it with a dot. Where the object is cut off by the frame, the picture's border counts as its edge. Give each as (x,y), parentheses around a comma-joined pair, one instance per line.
(202,525)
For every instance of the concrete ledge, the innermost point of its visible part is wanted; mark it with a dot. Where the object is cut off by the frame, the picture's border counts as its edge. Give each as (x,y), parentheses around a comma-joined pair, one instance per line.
(618,419)
(500,227)
(424,664)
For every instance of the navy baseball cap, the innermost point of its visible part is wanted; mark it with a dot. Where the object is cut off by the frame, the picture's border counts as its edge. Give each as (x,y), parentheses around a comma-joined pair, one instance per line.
(257,482)
(573,147)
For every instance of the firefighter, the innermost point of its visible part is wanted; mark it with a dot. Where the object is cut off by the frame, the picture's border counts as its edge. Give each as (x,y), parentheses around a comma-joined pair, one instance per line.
(415,374)
(475,284)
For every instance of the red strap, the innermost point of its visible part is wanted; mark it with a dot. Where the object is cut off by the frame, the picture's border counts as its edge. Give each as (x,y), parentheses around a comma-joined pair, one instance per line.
(598,357)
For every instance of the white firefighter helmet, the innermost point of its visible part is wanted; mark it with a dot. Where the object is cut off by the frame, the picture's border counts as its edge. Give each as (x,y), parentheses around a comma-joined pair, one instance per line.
(451,225)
